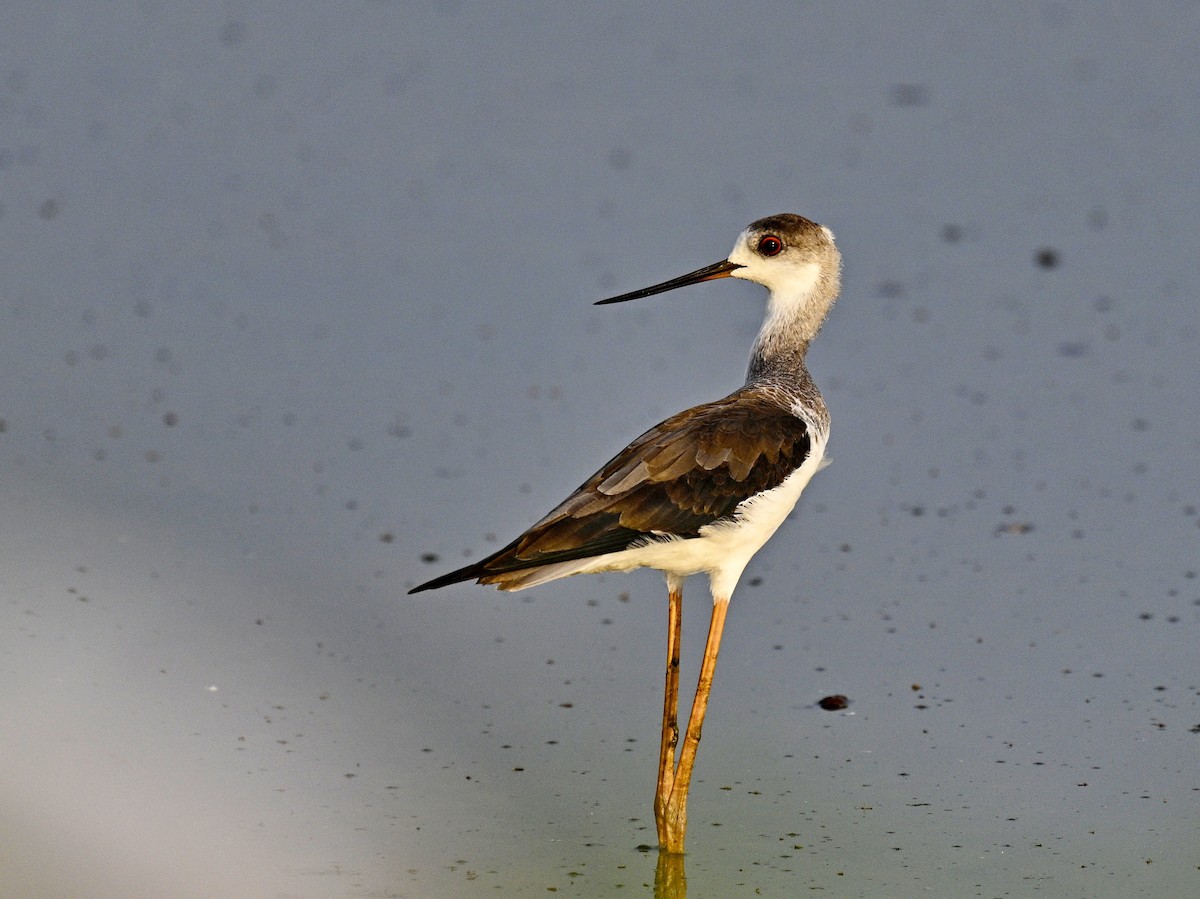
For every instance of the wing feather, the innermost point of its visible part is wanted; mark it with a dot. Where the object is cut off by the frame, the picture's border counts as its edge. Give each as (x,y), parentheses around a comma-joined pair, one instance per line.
(687,472)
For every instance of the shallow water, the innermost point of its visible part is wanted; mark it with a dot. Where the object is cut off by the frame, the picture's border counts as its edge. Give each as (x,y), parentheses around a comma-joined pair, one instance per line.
(296,313)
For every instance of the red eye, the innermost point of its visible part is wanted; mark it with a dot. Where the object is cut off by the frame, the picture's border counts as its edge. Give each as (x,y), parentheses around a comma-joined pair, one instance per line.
(770,245)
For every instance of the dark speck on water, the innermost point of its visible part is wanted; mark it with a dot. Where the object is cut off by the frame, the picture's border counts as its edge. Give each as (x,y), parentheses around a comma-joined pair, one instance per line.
(1047,257)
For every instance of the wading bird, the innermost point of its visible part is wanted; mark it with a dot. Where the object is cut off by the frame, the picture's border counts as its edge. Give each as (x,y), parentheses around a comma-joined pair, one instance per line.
(701,492)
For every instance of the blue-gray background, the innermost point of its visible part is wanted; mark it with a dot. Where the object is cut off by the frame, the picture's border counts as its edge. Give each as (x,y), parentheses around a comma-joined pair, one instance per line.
(296,297)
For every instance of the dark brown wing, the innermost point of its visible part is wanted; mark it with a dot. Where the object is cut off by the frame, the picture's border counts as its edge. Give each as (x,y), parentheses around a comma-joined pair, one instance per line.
(689,471)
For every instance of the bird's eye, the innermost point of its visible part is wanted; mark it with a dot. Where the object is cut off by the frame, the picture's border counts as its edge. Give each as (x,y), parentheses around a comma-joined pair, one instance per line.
(770,245)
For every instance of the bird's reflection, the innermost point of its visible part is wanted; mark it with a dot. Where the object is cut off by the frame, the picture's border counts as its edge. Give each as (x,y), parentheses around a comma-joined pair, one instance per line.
(670,879)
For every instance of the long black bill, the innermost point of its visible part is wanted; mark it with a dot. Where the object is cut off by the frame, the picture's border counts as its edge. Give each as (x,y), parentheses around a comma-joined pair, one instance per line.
(709,273)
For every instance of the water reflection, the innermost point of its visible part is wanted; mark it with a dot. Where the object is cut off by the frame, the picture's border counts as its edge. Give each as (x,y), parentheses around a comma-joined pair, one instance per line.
(670,880)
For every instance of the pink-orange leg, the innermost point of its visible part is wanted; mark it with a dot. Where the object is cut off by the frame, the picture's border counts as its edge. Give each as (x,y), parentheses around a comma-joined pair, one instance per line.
(670,722)
(671,815)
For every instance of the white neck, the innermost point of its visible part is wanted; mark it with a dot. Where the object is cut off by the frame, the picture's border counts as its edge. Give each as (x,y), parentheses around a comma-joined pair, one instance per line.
(795,311)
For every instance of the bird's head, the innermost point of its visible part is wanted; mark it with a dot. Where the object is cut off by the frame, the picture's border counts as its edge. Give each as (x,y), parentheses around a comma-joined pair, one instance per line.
(788,254)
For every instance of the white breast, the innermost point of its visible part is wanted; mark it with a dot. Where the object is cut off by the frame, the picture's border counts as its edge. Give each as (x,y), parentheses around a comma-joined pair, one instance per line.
(735,542)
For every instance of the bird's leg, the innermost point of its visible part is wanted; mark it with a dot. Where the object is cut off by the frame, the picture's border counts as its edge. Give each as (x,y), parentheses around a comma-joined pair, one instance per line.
(673,821)
(670,722)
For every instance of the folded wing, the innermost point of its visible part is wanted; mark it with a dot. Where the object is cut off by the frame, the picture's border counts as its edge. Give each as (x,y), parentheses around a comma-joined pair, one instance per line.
(687,472)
